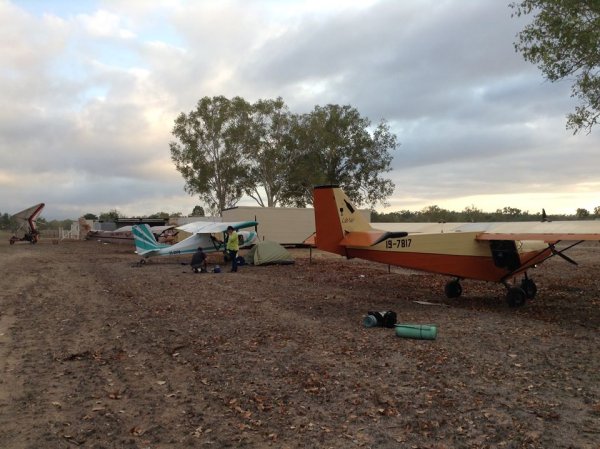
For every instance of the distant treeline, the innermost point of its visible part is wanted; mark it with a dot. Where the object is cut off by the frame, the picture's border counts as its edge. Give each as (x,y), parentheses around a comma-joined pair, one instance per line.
(436,214)
(430,214)
(7,223)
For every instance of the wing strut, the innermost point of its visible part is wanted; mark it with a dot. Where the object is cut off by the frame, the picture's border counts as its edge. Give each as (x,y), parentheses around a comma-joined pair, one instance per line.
(555,252)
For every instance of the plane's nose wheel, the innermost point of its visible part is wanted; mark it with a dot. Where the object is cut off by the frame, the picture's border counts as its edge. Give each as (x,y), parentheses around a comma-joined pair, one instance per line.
(453,289)
(516,297)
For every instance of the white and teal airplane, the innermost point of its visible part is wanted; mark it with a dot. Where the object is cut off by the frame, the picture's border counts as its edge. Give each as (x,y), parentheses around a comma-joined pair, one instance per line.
(203,235)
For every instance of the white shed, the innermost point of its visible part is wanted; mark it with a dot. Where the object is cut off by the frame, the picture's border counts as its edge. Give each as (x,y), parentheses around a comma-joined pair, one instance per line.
(284,225)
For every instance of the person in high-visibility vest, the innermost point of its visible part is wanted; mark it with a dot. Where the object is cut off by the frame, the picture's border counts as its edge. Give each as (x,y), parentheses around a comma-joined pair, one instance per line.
(232,247)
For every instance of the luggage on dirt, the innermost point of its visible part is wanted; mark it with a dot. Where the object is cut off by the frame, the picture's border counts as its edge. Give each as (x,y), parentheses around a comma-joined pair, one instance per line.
(380,319)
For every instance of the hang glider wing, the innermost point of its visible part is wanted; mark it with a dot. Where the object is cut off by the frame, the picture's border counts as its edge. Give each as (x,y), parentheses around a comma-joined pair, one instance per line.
(29,215)
(203,227)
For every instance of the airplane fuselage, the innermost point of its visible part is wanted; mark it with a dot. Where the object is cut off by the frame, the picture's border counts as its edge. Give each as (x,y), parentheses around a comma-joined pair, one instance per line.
(456,254)
(193,242)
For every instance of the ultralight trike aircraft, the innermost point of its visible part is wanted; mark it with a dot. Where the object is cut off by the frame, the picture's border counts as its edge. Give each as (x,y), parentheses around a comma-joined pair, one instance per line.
(27,230)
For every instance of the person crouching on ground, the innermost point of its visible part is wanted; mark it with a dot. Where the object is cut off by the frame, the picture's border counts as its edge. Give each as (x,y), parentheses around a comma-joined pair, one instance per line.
(199,261)
(232,247)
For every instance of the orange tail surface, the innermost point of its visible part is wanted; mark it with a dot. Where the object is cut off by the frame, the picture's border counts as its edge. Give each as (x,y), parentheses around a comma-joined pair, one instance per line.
(335,216)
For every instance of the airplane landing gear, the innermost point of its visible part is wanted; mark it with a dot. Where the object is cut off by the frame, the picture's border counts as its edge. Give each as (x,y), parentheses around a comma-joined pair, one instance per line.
(453,289)
(517,296)
(529,287)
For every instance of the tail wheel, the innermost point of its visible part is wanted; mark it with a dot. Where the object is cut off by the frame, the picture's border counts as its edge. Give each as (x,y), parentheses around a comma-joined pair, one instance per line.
(529,288)
(516,297)
(453,289)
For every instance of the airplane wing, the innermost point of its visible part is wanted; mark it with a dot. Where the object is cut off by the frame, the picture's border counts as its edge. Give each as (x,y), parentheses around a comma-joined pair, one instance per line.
(160,229)
(204,227)
(549,232)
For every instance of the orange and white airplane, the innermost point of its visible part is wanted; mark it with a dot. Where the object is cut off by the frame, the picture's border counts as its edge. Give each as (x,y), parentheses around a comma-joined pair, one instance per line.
(495,252)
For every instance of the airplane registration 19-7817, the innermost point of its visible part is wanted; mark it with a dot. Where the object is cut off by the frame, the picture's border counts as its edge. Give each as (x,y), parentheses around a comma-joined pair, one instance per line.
(497,252)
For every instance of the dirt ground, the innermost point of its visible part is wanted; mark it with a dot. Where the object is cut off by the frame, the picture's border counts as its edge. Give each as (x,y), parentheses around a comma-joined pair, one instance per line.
(98,353)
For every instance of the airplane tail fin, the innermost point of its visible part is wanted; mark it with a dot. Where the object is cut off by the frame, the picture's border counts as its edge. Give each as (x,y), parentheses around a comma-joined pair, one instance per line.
(335,216)
(145,242)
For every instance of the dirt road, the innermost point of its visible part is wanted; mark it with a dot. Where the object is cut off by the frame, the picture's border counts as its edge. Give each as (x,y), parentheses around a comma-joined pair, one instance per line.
(97,353)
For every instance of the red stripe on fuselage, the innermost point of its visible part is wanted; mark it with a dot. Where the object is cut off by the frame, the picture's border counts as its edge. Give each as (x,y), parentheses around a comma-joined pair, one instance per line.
(467,267)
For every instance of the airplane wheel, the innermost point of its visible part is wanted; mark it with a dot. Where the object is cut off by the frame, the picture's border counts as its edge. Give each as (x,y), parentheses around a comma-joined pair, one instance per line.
(143,262)
(453,289)
(516,297)
(529,288)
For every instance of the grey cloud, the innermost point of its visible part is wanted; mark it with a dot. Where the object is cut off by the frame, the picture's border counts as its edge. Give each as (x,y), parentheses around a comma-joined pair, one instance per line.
(471,115)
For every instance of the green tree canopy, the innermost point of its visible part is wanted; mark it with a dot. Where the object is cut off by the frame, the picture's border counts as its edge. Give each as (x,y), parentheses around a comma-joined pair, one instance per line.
(435,214)
(7,222)
(163,215)
(333,145)
(269,154)
(209,151)
(510,211)
(563,40)
(473,213)
(198,211)
(226,148)
(90,216)
(112,215)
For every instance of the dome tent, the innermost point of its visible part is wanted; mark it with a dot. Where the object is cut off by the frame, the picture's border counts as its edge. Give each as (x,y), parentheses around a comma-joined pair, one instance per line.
(268,253)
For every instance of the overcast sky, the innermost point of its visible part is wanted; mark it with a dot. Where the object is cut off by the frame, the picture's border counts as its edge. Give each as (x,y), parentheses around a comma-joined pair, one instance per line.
(90,91)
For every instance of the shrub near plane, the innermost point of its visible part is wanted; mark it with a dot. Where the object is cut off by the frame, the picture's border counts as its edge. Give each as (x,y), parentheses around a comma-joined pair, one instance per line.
(203,235)
(26,220)
(494,252)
